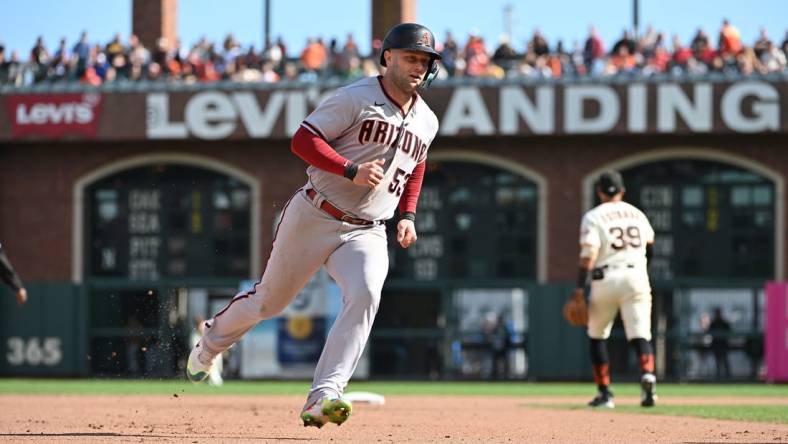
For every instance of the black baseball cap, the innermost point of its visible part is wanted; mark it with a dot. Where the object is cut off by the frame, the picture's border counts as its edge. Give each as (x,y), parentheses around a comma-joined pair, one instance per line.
(610,183)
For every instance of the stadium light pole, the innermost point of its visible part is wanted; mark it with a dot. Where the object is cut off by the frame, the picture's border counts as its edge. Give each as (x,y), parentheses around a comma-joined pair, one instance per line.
(266,23)
(635,17)
(507,21)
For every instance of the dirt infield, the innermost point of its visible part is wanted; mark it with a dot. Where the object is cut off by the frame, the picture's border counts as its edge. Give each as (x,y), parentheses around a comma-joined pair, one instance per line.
(416,419)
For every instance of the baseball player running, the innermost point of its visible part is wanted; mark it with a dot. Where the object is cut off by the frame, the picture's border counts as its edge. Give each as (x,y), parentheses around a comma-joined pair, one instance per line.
(616,242)
(366,147)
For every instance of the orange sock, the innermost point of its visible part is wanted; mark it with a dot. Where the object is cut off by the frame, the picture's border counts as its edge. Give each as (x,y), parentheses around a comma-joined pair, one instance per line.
(647,363)
(602,375)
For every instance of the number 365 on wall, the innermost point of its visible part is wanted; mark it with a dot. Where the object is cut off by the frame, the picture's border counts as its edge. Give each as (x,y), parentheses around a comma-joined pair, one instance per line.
(34,351)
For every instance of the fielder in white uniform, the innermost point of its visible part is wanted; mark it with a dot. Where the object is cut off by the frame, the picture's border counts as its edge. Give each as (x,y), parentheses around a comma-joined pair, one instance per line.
(366,147)
(616,241)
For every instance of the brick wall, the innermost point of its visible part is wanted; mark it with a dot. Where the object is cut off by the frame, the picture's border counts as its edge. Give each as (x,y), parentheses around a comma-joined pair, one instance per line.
(36,182)
(387,13)
(152,19)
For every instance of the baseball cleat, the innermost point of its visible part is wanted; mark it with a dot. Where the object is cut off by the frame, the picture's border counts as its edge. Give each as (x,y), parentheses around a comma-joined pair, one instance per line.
(199,364)
(648,390)
(327,410)
(602,399)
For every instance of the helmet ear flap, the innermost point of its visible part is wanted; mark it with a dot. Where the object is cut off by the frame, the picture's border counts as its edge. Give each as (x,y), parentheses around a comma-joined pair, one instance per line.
(432,72)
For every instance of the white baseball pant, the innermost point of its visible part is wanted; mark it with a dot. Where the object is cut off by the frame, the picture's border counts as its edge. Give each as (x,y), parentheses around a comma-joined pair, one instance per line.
(356,257)
(626,289)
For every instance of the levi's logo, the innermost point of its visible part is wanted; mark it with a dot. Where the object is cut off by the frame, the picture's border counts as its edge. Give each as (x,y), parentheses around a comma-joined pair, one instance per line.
(54,115)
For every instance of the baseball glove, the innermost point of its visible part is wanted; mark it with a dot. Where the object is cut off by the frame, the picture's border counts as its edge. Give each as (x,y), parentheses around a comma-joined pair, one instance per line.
(576,310)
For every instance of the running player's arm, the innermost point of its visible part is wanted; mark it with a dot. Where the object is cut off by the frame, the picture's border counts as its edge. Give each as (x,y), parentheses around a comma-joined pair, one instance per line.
(326,123)
(318,153)
(406,228)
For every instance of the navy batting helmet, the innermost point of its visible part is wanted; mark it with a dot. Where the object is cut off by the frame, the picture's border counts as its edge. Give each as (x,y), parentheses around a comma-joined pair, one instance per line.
(413,37)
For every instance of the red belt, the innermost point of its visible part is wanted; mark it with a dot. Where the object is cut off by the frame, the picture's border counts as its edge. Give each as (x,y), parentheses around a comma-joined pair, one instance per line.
(338,214)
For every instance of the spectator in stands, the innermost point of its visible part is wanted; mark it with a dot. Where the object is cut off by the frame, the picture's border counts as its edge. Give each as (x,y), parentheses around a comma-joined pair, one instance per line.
(622,62)
(476,58)
(280,43)
(761,43)
(539,44)
(729,41)
(273,53)
(252,60)
(350,48)
(314,57)
(772,59)
(505,56)
(748,63)
(577,58)
(290,72)
(231,49)
(560,63)
(720,329)
(114,47)
(660,57)
(625,40)
(594,49)
(450,54)
(61,61)
(136,51)
(39,59)
(204,62)
(701,40)
(268,75)
(100,63)
(154,72)
(647,43)
(81,49)
(89,75)
(681,54)
(701,48)
(3,66)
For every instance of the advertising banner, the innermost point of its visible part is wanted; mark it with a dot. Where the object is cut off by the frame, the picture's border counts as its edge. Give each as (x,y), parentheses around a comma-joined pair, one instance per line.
(54,115)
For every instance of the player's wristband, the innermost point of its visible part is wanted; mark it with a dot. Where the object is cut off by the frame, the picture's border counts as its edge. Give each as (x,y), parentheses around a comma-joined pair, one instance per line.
(582,277)
(409,215)
(351,169)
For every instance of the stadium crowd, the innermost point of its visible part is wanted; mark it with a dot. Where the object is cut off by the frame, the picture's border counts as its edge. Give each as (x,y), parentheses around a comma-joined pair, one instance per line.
(645,55)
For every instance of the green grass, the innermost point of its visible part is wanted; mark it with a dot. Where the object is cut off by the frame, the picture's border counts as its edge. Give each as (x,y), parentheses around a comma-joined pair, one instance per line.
(757,413)
(148,387)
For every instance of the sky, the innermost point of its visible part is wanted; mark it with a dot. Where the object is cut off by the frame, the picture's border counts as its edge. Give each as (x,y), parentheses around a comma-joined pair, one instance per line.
(22,21)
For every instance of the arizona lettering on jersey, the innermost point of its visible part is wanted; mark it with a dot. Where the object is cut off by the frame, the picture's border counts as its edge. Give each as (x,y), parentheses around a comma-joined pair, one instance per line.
(383,132)
(362,123)
(619,231)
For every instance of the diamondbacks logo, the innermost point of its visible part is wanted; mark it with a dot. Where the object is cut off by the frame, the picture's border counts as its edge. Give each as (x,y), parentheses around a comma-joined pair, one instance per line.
(425,39)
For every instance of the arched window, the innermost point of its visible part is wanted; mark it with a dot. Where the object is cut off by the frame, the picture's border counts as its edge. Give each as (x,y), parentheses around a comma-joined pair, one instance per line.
(474,221)
(712,219)
(167,220)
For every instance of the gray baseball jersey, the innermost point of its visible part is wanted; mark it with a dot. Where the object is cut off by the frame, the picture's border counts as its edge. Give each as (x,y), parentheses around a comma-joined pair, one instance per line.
(362,123)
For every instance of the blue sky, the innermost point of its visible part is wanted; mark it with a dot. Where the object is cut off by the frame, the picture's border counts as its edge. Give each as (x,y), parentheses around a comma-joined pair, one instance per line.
(296,20)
